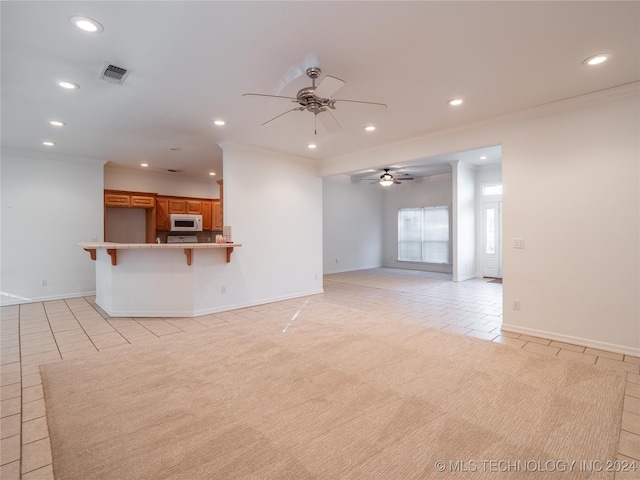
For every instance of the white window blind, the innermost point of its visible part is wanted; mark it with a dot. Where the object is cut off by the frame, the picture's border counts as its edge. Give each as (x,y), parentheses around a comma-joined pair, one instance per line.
(423,234)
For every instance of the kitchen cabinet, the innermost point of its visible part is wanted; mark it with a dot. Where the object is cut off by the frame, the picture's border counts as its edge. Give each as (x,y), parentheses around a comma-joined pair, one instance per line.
(166,205)
(185,205)
(194,207)
(116,199)
(162,214)
(141,201)
(217,215)
(207,215)
(177,205)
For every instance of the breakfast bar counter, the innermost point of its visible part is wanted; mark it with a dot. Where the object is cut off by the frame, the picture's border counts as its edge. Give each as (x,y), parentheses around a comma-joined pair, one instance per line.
(112,248)
(160,279)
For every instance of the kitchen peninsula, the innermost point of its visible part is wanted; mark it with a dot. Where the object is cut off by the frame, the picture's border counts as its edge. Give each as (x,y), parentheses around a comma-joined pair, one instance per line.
(159,279)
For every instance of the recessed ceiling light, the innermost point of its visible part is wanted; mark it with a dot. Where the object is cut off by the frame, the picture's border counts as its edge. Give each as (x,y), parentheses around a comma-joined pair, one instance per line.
(312,146)
(48,144)
(87,24)
(483,157)
(144,164)
(597,59)
(370,128)
(57,123)
(212,174)
(219,122)
(69,85)
(455,102)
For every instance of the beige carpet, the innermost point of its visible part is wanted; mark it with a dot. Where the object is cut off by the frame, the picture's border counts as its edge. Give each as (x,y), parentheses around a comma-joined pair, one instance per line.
(321,398)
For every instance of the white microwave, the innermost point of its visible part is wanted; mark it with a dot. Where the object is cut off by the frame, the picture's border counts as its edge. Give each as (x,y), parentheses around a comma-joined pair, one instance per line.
(185,223)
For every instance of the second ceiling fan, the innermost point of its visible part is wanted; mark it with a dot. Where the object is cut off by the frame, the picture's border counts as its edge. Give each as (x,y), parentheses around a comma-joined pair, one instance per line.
(386,179)
(318,99)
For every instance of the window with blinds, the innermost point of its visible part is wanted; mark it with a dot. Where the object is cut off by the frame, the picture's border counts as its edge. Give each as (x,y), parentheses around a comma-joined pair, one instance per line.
(423,234)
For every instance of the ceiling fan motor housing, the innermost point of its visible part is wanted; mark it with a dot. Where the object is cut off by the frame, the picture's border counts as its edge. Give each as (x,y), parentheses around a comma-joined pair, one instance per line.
(306,96)
(386,176)
(313,72)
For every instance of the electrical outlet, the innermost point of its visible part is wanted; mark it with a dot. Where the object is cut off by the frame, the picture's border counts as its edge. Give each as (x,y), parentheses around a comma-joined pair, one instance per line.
(336,260)
(518,243)
(223,289)
(93,239)
(43,282)
(516,304)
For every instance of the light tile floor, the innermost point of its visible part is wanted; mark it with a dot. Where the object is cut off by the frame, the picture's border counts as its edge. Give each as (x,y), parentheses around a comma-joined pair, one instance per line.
(37,333)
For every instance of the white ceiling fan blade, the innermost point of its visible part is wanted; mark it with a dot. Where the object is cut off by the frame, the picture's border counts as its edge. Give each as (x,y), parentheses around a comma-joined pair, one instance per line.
(264,95)
(278,116)
(328,86)
(328,121)
(298,70)
(373,107)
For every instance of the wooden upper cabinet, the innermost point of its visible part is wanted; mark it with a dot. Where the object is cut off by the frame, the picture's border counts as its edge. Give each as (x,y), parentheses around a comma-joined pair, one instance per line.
(165,206)
(112,199)
(194,207)
(117,198)
(162,214)
(177,205)
(141,201)
(217,215)
(207,215)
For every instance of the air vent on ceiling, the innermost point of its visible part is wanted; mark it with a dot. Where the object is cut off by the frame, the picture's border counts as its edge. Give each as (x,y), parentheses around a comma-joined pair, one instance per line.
(113,74)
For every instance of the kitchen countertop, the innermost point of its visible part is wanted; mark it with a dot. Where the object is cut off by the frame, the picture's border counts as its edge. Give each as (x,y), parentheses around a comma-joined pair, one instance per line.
(122,246)
(188,248)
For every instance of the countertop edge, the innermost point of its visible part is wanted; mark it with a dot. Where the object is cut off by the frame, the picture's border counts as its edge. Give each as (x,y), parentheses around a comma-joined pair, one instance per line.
(126,246)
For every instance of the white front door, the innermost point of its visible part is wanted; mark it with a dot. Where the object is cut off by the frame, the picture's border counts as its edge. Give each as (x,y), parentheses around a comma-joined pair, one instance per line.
(492,245)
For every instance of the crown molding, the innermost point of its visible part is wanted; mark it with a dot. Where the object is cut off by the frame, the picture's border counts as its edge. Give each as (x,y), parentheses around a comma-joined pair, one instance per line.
(592,98)
(600,96)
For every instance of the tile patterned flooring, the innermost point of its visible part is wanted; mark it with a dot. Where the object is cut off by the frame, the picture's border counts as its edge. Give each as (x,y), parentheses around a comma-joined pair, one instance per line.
(37,333)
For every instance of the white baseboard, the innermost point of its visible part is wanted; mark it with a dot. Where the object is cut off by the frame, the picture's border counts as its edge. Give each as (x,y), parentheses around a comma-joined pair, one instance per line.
(6,301)
(583,342)
(207,311)
(350,269)
(463,278)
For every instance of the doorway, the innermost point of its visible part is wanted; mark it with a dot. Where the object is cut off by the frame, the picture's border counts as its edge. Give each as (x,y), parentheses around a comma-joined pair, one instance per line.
(492,231)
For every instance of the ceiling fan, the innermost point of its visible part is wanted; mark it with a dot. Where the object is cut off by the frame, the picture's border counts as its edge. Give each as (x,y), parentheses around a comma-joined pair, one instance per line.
(386,179)
(318,99)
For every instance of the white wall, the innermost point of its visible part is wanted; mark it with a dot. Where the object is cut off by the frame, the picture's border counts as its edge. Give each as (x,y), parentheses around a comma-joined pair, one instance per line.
(273,202)
(424,192)
(48,203)
(571,189)
(488,174)
(572,192)
(352,225)
(162,183)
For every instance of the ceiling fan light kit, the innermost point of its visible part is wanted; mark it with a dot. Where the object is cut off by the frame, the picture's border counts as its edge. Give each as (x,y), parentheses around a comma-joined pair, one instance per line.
(386,179)
(318,99)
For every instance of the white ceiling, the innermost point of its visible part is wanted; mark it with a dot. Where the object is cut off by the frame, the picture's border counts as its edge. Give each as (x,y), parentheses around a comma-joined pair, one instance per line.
(190,63)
